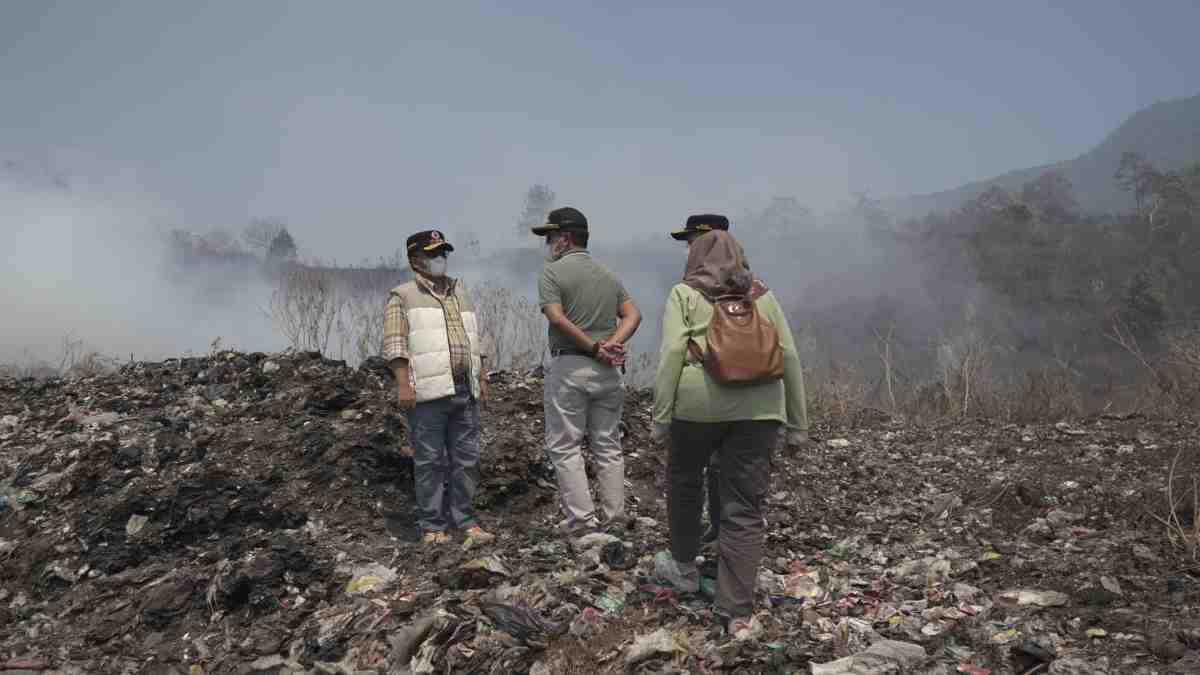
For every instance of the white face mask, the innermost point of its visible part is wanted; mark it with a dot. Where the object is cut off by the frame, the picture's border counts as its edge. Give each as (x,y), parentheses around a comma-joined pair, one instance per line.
(437,266)
(548,250)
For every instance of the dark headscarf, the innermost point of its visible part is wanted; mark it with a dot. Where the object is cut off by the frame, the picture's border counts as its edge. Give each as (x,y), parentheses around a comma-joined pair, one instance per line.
(716,266)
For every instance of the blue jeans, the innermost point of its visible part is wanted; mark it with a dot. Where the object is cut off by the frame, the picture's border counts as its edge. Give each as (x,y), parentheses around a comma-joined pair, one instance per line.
(445,439)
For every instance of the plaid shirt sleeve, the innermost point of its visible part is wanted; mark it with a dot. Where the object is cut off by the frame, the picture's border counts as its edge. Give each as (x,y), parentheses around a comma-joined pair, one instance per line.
(395,330)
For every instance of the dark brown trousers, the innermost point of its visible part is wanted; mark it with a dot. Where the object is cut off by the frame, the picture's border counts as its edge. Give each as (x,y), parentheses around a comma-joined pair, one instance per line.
(743,452)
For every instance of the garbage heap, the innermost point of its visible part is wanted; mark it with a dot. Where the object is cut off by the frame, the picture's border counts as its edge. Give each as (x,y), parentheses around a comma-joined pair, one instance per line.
(243,513)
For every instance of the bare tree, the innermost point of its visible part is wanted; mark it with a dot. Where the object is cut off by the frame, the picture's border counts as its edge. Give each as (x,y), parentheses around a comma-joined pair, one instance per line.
(305,306)
(1136,175)
(360,323)
(511,325)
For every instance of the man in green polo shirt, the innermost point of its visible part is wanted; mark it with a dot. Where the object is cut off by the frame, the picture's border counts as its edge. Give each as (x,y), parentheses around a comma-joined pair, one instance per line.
(591,319)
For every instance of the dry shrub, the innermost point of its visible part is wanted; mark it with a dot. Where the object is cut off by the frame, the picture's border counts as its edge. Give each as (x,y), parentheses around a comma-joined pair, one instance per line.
(360,318)
(964,368)
(74,361)
(305,306)
(1182,366)
(90,364)
(314,305)
(15,370)
(360,325)
(511,327)
(837,394)
(1044,393)
(929,401)
(1181,520)
(966,384)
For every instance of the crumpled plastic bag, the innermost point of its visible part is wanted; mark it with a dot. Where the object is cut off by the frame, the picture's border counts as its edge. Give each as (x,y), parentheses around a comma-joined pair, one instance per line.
(645,647)
(521,621)
(1032,598)
(477,573)
(885,656)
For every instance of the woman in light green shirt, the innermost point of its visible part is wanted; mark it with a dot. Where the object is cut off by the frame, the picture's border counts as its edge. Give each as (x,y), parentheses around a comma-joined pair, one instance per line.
(734,426)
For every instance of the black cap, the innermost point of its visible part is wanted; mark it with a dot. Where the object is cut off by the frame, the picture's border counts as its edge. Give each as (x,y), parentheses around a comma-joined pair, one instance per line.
(704,222)
(428,241)
(561,219)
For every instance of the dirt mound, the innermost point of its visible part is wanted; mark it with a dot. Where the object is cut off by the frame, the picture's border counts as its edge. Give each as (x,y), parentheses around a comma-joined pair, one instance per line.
(253,512)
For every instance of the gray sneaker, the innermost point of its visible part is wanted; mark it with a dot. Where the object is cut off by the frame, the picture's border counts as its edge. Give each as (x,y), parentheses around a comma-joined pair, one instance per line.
(685,577)
(578,528)
(618,526)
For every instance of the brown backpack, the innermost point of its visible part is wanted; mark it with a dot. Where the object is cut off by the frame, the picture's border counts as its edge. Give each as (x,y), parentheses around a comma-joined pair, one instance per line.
(743,346)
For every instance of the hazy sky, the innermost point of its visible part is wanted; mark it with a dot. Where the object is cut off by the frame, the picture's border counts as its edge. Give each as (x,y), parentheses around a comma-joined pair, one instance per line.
(357,122)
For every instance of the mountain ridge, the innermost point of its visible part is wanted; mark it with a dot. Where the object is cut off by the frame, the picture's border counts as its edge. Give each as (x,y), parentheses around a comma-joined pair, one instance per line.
(1167,133)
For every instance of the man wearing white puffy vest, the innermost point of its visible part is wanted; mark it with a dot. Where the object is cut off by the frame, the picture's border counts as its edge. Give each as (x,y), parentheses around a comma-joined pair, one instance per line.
(431,341)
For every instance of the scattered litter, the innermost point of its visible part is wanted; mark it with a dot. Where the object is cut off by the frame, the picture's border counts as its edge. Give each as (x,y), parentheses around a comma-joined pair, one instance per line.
(1110,584)
(1028,598)
(614,555)
(135,524)
(881,658)
(644,647)
(368,578)
(521,622)
(149,507)
(748,631)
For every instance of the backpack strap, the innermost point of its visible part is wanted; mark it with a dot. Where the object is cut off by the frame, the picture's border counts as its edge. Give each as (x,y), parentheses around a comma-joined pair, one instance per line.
(693,347)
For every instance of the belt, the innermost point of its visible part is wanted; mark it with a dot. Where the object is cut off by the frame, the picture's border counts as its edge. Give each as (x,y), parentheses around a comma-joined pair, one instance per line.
(569,352)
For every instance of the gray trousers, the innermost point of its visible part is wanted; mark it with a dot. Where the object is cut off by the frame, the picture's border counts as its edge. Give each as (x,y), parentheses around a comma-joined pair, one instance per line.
(585,396)
(444,435)
(743,452)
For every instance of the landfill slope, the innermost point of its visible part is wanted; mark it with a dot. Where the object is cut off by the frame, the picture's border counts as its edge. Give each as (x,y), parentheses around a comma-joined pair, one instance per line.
(254,513)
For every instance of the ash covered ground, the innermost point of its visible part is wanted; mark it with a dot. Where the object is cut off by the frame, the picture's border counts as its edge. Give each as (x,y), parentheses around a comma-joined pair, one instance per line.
(253,513)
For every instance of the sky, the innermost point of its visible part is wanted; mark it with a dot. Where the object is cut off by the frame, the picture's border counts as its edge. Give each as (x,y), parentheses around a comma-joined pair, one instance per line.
(358,123)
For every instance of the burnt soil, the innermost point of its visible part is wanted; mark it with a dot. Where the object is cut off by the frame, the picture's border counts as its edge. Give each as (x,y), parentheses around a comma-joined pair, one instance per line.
(245,512)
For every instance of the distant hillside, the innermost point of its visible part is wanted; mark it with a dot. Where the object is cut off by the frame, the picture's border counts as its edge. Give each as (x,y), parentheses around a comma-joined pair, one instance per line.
(1167,134)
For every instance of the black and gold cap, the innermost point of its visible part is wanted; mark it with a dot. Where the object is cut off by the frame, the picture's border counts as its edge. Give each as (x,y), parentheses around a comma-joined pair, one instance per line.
(562,219)
(704,222)
(428,241)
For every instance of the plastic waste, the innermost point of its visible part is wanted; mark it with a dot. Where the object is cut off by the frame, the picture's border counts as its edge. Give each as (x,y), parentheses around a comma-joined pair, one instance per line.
(613,554)
(521,621)
(1032,598)
(885,656)
(644,647)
